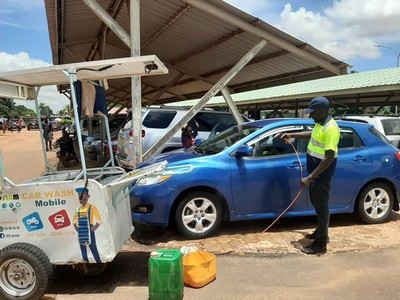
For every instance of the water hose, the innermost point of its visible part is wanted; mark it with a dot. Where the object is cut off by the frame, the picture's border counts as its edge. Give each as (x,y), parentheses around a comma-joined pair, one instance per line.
(298,194)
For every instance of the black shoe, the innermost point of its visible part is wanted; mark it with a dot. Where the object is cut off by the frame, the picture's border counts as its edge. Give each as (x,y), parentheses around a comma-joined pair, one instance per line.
(317,247)
(312,236)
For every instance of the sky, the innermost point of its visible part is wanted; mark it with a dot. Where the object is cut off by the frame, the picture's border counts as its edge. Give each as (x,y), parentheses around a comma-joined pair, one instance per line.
(345,29)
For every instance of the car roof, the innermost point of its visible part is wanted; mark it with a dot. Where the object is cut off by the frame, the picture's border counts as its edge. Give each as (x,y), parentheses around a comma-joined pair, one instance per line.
(294,121)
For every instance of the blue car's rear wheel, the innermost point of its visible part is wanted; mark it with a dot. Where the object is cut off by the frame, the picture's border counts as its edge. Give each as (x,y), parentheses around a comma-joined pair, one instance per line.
(375,203)
(199,215)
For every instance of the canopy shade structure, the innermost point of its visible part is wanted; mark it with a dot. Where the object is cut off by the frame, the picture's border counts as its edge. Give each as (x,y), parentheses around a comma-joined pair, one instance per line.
(199,42)
(19,84)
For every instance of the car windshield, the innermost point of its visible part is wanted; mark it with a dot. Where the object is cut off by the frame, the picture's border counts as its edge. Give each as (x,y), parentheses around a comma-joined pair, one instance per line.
(391,126)
(225,139)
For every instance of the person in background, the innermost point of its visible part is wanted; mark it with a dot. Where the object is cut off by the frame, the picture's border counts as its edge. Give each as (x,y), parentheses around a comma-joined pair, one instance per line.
(19,125)
(4,125)
(322,152)
(48,134)
(189,133)
(11,125)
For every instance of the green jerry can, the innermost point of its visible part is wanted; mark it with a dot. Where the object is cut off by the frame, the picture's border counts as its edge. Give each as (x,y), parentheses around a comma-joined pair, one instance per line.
(166,275)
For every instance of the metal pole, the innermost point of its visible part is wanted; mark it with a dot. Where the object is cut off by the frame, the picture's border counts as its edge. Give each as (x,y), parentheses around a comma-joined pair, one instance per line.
(136,84)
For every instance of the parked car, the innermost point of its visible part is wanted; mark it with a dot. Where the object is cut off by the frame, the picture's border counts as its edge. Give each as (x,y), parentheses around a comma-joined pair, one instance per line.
(56,125)
(157,121)
(244,173)
(93,144)
(33,124)
(388,125)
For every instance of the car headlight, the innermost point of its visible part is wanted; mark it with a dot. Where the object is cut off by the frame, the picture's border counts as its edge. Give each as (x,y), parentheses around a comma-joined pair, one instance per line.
(160,177)
(152,179)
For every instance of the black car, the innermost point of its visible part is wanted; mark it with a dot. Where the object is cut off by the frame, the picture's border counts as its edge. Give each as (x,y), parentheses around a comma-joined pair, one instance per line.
(33,124)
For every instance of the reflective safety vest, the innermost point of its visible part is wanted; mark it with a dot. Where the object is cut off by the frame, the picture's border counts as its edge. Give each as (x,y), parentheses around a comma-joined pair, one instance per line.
(324,137)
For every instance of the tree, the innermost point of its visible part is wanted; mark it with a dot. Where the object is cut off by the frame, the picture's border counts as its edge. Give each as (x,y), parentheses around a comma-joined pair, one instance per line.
(64,111)
(45,111)
(6,107)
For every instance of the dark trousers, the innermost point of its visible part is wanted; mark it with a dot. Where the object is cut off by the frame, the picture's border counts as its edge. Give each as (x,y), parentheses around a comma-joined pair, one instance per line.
(92,247)
(319,196)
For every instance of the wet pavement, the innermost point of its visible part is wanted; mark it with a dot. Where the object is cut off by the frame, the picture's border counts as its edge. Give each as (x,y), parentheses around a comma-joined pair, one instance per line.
(346,233)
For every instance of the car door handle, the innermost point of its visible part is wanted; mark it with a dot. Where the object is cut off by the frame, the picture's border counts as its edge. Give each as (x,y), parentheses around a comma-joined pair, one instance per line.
(360,159)
(295,165)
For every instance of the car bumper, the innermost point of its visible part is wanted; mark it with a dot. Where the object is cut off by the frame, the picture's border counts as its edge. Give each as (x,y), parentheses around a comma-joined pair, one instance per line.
(124,161)
(158,204)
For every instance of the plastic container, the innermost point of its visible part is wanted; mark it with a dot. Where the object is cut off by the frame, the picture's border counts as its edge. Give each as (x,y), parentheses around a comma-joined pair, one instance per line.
(200,268)
(165,275)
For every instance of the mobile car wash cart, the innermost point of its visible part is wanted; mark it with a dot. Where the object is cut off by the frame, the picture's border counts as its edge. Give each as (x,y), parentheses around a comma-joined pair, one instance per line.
(76,217)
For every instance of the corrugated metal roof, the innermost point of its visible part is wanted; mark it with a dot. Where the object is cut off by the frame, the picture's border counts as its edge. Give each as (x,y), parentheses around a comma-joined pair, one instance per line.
(199,41)
(369,88)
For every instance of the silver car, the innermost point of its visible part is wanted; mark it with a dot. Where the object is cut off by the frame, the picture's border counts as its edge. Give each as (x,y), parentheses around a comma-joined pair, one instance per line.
(157,121)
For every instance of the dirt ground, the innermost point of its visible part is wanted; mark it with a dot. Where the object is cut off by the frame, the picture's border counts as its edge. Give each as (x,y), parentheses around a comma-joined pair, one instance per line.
(22,154)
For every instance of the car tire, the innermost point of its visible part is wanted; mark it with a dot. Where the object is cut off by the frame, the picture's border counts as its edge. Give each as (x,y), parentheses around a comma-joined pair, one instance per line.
(198,215)
(375,203)
(25,272)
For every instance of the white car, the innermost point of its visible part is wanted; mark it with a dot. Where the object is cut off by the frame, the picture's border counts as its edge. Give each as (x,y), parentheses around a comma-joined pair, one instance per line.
(389,126)
(157,121)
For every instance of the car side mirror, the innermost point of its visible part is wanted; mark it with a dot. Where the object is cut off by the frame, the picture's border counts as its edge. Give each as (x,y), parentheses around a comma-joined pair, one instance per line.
(244,150)
(198,141)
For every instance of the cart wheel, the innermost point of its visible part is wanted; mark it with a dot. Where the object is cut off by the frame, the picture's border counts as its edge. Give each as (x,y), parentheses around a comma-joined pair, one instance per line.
(90,269)
(25,272)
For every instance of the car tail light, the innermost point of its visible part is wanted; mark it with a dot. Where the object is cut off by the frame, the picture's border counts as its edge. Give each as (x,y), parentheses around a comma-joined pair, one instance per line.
(131,133)
(398,155)
(107,151)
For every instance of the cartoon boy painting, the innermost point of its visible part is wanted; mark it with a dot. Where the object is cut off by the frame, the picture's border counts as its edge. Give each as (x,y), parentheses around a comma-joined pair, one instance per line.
(86,220)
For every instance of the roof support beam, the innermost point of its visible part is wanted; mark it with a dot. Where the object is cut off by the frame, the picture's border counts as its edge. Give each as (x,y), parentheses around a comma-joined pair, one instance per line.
(109,21)
(203,101)
(231,19)
(136,84)
(231,105)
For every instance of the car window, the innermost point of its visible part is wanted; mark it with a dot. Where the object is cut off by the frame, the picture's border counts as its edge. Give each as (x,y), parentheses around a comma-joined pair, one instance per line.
(349,139)
(208,120)
(376,132)
(116,122)
(391,126)
(225,139)
(270,145)
(159,119)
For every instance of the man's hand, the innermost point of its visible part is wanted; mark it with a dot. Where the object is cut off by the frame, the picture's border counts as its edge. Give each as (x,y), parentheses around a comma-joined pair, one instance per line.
(306,180)
(284,136)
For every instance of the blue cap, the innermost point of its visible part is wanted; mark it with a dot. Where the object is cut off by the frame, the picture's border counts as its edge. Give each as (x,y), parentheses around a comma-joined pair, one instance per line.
(82,190)
(316,103)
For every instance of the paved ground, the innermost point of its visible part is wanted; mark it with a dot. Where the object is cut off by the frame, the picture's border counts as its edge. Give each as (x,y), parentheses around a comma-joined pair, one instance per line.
(364,275)
(239,246)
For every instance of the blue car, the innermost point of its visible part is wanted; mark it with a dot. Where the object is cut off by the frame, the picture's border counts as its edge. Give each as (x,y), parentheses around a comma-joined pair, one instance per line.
(244,173)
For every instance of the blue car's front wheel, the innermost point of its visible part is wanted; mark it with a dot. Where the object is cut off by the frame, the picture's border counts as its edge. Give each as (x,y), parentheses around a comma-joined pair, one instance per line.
(199,215)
